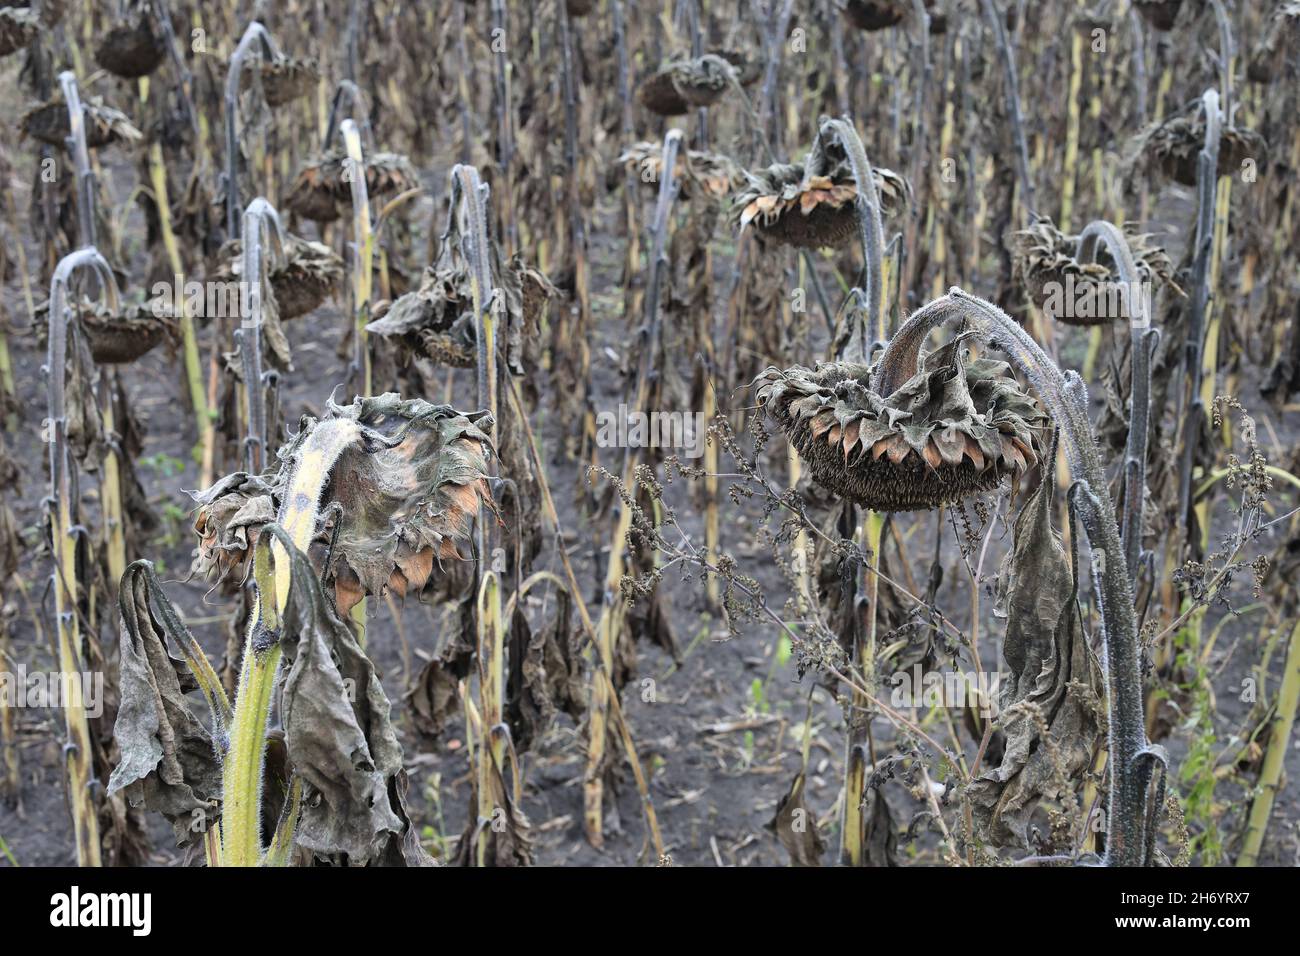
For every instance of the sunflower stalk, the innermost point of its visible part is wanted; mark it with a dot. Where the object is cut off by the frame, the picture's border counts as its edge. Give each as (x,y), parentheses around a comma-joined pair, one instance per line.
(189,340)
(363,252)
(603,694)
(1007,56)
(1270,774)
(589,628)
(241,841)
(1134,763)
(469,200)
(255,38)
(864,339)
(260,220)
(1142,343)
(1191,411)
(64,535)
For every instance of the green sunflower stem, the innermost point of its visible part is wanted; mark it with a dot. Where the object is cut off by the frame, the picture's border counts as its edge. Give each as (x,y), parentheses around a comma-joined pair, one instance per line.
(241,813)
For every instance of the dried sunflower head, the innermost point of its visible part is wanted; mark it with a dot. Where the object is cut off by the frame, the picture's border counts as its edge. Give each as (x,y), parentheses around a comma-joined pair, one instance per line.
(133,46)
(955,428)
(398,504)
(813,204)
(284,80)
(1082,293)
(712,174)
(872,15)
(1161,14)
(437,321)
(308,274)
(104,125)
(1172,147)
(1277,42)
(18,27)
(231,514)
(121,337)
(321,185)
(687,83)
(876,14)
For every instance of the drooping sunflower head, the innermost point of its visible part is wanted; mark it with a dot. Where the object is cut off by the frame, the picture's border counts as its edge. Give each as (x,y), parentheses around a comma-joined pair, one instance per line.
(133,46)
(1044,261)
(1171,148)
(309,272)
(104,125)
(322,185)
(956,428)
(396,508)
(813,204)
(686,83)
(697,171)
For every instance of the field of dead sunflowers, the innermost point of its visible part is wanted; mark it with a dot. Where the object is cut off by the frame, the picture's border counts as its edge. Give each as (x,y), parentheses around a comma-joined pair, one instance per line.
(649,433)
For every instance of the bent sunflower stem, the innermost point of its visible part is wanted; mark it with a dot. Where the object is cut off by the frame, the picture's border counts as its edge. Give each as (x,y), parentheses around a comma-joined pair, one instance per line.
(1133,760)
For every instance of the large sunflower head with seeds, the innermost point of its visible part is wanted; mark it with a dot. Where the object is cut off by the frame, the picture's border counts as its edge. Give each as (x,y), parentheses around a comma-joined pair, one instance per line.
(957,427)
(437,322)
(307,275)
(104,125)
(119,336)
(813,204)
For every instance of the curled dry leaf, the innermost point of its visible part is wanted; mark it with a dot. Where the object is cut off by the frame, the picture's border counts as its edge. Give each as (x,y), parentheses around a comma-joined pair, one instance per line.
(796,827)
(338,734)
(545,676)
(955,428)
(1051,684)
(170,762)
(398,505)
(502,839)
